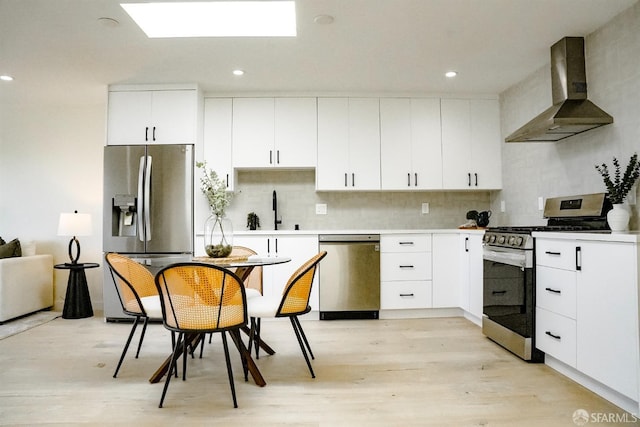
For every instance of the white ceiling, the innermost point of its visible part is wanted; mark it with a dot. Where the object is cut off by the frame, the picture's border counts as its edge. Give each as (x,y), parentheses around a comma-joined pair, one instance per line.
(58,51)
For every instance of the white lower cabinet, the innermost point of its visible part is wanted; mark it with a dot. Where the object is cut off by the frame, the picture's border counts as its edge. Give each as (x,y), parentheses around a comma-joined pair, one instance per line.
(405,271)
(587,309)
(299,248)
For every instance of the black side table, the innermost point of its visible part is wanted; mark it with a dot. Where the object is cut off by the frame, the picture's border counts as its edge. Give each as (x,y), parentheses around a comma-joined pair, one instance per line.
(77,303)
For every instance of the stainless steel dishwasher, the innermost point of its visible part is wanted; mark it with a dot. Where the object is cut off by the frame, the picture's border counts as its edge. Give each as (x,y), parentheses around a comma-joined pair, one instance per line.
(350,276)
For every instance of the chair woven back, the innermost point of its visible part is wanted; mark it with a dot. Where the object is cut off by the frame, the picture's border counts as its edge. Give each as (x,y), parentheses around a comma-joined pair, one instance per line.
(254,281)
(133,281)
(201,297)
(297,291)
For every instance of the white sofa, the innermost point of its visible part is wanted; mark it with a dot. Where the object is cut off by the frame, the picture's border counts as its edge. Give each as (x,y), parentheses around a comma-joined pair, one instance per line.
(26,283)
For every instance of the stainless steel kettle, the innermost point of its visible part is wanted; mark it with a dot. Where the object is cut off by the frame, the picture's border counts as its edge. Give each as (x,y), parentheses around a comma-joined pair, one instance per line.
(483,218)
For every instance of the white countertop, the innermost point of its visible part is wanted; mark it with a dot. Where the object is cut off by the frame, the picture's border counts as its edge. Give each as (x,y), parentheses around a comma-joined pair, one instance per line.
(599,236)
(317,232)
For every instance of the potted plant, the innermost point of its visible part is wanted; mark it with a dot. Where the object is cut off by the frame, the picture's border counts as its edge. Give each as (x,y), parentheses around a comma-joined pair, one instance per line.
(618,189)
(253,222)
(218,230)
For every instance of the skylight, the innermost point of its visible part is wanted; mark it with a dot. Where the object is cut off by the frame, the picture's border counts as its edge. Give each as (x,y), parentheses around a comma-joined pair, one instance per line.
(215,19)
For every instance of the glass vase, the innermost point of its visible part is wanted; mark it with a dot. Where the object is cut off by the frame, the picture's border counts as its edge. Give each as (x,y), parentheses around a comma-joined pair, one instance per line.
(218,236)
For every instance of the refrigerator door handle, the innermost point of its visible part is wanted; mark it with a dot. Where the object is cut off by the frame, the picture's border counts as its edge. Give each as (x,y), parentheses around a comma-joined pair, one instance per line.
(139,208)
(147,199)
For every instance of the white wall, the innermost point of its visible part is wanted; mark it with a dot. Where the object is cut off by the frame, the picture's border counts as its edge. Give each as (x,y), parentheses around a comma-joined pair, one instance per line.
(51,162)
(532,170)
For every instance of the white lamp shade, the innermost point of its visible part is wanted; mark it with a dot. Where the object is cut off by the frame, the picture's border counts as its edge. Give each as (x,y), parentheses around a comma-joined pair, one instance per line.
(74,224)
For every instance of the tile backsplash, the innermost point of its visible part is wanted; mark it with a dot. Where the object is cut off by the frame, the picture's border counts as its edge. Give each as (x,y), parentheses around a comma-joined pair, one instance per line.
(297,199)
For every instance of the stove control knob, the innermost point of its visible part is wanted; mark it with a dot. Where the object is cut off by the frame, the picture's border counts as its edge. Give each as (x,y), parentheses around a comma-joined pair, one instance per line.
(519,241)
(492,239)
(501,240)
(512,240)
(485,239)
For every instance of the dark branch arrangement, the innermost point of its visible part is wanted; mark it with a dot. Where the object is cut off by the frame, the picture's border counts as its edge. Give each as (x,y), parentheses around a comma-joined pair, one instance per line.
(620,186)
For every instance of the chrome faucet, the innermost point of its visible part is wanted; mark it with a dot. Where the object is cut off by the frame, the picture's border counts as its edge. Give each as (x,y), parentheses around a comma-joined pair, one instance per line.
(276,221)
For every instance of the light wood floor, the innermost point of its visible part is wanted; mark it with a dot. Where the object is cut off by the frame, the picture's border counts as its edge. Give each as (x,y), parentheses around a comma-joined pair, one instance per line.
(425,372)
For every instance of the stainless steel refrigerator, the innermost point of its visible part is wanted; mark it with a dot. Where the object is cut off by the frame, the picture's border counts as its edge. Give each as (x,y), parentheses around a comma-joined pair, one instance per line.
(148,209)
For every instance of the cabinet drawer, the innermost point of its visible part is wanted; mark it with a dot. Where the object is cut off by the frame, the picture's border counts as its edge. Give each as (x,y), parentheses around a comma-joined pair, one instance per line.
(556,253)
(405,266)
(556,336)
(401,295)
(405,243)
(556,290)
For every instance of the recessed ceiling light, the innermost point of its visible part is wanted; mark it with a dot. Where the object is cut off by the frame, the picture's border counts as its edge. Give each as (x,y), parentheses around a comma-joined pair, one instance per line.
(238,72)
(323,19)
(451,74)
(108,22)
(6,78)
(215,19)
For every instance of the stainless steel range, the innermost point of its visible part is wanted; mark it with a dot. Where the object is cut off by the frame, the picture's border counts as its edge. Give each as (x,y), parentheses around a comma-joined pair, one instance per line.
(509,270)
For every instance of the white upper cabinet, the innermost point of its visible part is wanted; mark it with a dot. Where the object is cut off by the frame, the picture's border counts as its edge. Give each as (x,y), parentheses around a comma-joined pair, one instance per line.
(274,132)
(471,144)
(410,144)
(348,144)
(152,117)
(217,138)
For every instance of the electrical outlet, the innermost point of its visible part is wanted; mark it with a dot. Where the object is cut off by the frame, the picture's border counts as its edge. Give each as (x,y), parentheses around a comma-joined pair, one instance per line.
(503,206)
(425,208)
(321,209)
(540,203)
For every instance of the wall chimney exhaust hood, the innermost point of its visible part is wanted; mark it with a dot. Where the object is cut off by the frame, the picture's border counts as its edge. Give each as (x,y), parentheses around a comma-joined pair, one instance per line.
(572,113)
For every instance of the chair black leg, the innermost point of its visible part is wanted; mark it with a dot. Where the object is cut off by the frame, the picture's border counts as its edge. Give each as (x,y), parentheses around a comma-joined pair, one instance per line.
(229,370)
(237,340)
(172,367)
(304,337)
(302,346)
(257,337)
(126,346)
(185,351)
(144,329)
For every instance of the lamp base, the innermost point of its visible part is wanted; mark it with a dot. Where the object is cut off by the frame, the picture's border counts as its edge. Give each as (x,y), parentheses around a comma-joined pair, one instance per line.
(74,260)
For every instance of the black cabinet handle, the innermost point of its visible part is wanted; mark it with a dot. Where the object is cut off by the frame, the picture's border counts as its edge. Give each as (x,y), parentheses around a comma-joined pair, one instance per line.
(553,253)
(146,133)
(353,179)
(408,180)
(555,291)
(476,179)
(466,244)
(406,243)
(154,133)
(469,179)
(276,245)
(406,295)
(227,180)
(270,157)
(405,266)
(558,337)
(415,179)
(578,258)
(278,156)
(268,246)
(345,179)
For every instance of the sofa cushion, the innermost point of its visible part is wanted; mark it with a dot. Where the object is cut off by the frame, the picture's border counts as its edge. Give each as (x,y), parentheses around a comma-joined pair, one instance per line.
(2,242)
(11,249)
(28,247)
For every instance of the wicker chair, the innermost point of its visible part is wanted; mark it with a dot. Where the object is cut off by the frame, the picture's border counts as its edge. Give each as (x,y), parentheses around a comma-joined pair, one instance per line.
(138,295)
(253,283)
(293,303)
(199,298)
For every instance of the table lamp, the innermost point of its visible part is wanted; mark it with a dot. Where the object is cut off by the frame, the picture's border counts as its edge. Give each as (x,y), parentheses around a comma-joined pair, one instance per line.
(74,224)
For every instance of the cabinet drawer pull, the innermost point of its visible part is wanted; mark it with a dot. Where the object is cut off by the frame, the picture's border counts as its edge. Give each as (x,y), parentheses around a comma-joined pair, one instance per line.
(558,337)
(407,295)
(405,266)
(406,243)
(498,292)
(553,253)
(555,291)
(408,180)
(415,179)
